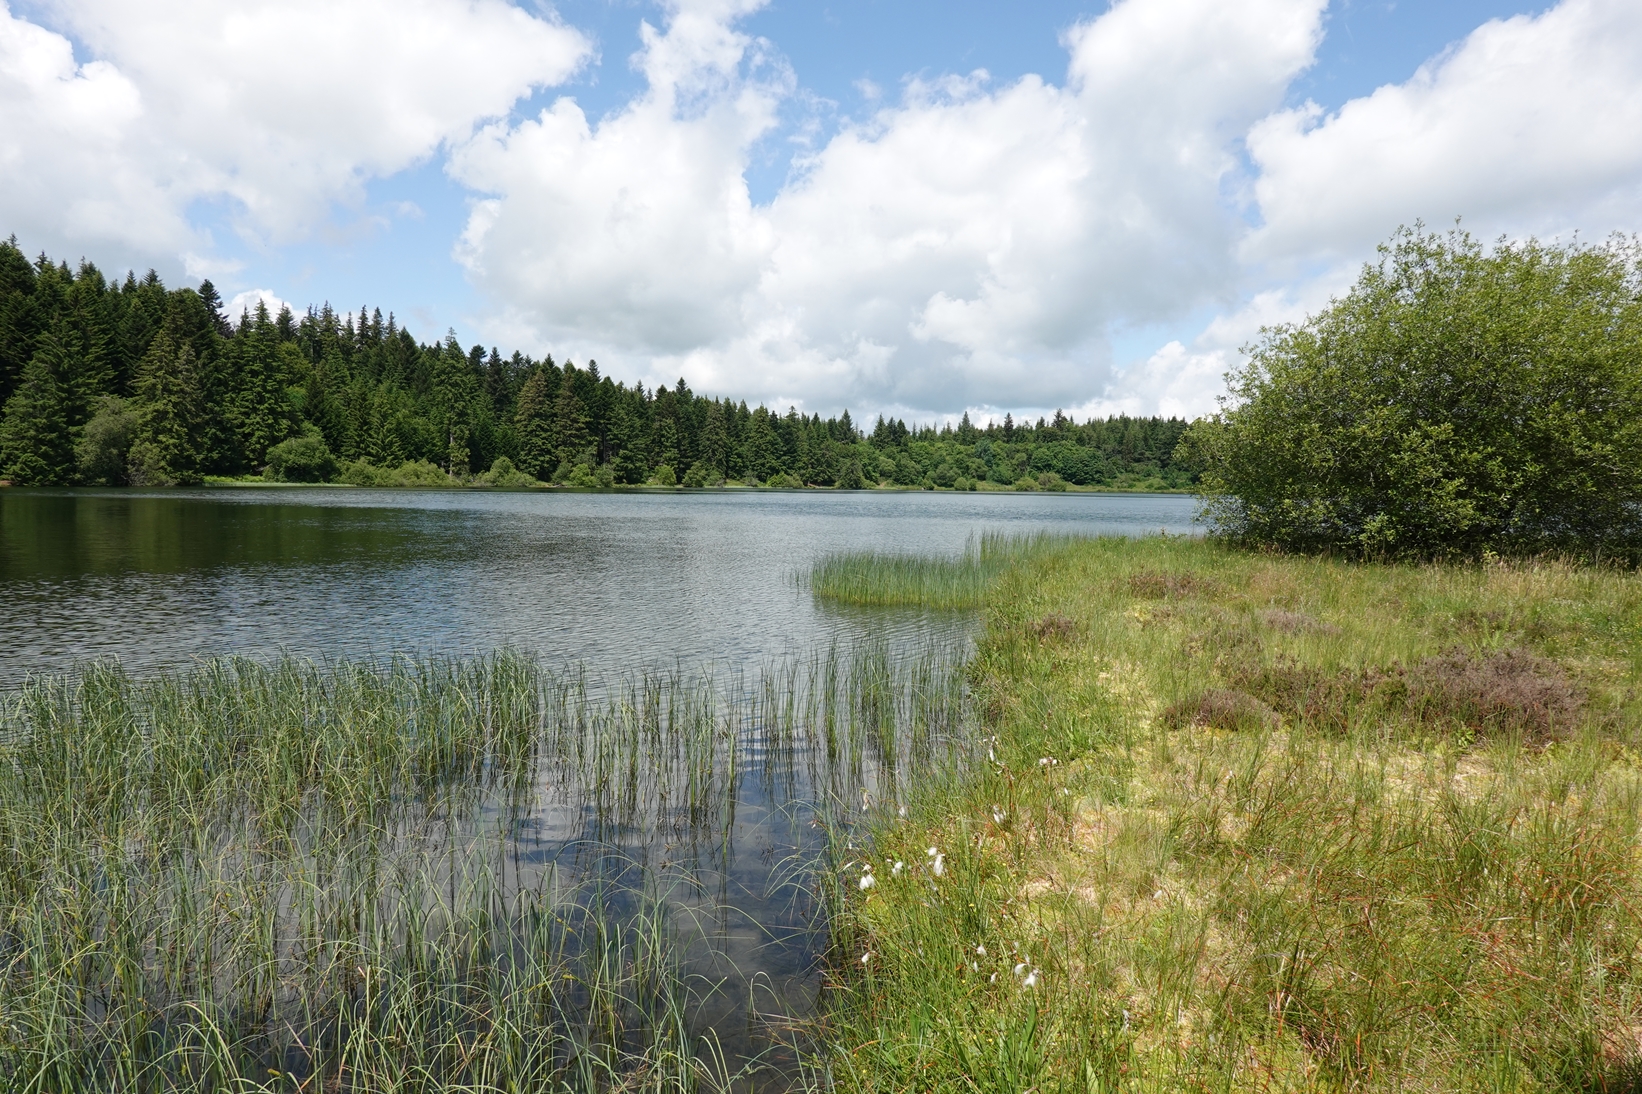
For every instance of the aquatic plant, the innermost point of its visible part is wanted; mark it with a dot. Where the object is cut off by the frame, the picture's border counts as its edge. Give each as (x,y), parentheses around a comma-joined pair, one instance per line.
(425,873)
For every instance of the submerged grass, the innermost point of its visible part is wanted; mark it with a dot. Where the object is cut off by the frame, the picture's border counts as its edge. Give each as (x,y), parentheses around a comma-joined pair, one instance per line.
(887,579)
(420,875)
(1248,822)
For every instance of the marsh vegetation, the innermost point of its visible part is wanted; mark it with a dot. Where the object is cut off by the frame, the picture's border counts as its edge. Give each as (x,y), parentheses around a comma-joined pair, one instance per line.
(1263,822)
(428,874)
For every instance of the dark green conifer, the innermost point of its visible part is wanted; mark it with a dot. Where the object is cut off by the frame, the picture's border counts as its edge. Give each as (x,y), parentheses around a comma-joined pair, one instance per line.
(36,447)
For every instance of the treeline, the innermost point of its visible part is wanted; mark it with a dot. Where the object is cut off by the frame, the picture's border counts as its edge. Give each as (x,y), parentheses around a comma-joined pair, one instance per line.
(133,383)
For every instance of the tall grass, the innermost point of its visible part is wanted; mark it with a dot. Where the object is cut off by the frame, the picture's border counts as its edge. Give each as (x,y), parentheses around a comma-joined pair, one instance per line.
(887,579)
(424,874)
(1268,823)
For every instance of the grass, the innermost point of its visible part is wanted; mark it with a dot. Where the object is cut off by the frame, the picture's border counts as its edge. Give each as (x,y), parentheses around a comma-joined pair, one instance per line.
(1251,822)
(349,876)
(887,579)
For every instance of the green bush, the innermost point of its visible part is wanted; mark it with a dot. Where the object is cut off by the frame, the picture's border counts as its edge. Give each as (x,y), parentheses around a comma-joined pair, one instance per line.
(101,451)
(1454,402)
(851,478)
(663,476)
(1051,481)
(301,459)
(785,480)
(1026,482)
(503,473)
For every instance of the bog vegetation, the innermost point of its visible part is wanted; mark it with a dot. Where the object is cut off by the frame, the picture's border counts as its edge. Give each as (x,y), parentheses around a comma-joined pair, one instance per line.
(108,384)
(1261,822)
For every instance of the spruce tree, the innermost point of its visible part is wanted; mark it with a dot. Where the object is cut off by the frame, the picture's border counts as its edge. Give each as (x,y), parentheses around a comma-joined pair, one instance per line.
(570,420)
(169,416)
(260,409)
(36,448)
(534,422)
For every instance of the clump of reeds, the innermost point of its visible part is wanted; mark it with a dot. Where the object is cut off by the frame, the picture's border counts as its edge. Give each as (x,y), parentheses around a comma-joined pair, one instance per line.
(426,873)
(889,579)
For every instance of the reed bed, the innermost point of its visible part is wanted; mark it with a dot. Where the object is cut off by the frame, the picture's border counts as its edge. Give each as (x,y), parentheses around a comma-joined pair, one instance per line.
(1243,822)
(887,579)
(430,874)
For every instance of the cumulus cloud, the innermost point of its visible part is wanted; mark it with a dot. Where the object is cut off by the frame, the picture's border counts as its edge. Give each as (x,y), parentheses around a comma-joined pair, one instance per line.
(1528,125)
(967,245)
(278,110)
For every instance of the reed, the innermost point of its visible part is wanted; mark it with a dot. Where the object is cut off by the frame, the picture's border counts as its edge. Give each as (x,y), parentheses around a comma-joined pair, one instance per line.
(424,874)
(886,579)
(1249,822)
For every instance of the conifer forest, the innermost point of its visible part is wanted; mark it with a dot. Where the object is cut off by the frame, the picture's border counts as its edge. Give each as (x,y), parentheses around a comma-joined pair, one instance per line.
(128,382)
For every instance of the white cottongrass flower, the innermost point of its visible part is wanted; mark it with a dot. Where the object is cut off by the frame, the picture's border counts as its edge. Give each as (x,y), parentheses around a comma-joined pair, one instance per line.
(981,949)
(895,871)
(1047,761)
(993,979)
(937,861)
(1031,980)
(867,881)
(1019,967)
(998,815)
(866,957)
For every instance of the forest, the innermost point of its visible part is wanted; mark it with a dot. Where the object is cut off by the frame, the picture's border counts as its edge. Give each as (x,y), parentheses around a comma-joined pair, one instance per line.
(111,383)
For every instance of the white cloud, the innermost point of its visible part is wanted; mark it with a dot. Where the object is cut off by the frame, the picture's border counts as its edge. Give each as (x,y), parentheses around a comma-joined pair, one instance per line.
(279,109)
(246,303)
(967,246)
(1530,125)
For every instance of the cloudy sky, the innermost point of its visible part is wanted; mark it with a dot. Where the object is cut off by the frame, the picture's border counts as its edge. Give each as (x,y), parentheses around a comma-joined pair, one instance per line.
(914,206)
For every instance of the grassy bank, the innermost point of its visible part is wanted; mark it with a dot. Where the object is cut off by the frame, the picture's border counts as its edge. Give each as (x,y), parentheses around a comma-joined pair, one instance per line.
(1265,823)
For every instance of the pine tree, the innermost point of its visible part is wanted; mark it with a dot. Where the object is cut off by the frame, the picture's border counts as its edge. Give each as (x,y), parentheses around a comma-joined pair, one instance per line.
(36,448)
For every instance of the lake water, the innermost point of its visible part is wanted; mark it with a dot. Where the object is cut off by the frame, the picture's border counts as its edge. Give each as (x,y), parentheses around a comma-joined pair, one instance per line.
(158,578)
(700,587)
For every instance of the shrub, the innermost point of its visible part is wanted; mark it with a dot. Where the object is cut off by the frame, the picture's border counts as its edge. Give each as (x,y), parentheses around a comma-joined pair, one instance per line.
(1026,482)
(1454,402)
(785,481)
(503,473)
(1051,481)
(663,476)
(101,453)
(301,459)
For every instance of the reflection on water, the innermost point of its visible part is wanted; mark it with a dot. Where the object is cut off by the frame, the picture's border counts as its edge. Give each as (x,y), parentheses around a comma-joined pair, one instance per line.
(161,577)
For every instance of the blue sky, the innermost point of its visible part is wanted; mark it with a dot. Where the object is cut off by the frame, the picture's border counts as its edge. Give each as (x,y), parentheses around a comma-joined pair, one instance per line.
(818,203)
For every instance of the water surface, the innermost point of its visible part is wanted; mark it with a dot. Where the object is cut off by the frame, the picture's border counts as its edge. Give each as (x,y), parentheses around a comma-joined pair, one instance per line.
(156,578)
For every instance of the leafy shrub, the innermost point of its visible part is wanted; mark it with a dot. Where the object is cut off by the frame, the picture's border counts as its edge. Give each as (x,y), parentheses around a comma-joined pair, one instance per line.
(101,452)
(1454,402)
(1026,482)
(503,473)
(663,476)
(301,459)
(414,473)
(1051,481)
(785,480)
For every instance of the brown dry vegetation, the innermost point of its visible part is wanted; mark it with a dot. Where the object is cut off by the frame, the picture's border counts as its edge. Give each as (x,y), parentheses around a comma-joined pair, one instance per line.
(1268,823)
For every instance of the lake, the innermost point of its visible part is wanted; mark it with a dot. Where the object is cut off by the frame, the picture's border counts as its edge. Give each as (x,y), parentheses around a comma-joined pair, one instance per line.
(703,733)
(157,578)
